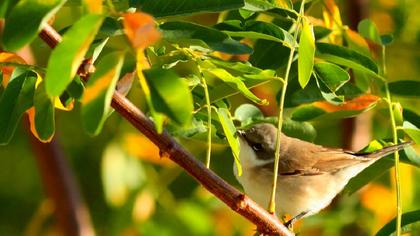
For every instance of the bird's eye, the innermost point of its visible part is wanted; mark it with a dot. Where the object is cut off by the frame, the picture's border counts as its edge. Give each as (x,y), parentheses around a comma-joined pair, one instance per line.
(257,147)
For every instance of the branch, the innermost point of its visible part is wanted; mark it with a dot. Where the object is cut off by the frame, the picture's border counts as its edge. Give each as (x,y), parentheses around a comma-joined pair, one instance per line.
(169,147)
(72,215)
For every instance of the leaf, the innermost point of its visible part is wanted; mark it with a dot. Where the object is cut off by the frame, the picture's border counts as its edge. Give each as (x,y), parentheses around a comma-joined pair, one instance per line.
(306,54)
(98,49)
(265,51)
(93,6)
(25,20)
(368,29)
(97,97)
(162,8)
(15,100)
(331,75)
(67,56)
(140,29)
(321,32)
(412,117)
(247,112)
(230,133)
(175,31)
(236,83)
(43,124)
(412,131)
(76,88)
(326,110)
(176,105)
(409,88)
(257,30)
(406,219)
(346,57)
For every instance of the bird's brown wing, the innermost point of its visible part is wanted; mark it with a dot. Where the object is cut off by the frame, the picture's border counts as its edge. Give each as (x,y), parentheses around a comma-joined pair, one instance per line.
(313,160)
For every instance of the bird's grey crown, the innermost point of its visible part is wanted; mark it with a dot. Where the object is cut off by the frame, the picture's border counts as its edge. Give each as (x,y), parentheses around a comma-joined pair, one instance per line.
(261,138)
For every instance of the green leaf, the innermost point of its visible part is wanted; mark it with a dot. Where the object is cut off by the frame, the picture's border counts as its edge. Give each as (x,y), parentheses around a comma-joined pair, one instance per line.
(247,112)
(98,94)
(387,39)
(76,88)
(162,8)
(321,32)
(257,30)
(98,49)
(176,105)
(25,20)
(175,31)
(368,29)
(306,54)
(265,51)
(15,100)
(44,114)
(331,75)
(406,219)
(236,83)
(67,56)
(412,131)
(408,88)
(346,57)
(230,133)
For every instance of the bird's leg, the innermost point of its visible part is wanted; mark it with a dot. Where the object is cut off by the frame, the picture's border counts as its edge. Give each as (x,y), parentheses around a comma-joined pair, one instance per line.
(289,224)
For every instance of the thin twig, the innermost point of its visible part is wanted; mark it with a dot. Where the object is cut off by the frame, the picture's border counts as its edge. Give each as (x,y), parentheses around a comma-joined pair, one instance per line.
(236,200)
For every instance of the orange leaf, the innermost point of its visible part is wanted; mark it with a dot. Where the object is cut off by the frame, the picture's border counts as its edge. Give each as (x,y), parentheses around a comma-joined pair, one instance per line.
(140,29)
(7,70)
(360,103)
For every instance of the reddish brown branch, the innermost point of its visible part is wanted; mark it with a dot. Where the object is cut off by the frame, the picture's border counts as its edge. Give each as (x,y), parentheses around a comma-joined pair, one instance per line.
(71,213)
(236,200)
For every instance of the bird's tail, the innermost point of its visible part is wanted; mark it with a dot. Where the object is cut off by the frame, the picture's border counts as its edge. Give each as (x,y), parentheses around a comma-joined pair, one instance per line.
(385,151)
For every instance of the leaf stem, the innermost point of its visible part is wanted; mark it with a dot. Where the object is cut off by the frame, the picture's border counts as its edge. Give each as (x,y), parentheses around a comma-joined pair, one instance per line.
(206,93)
(272,203)
(396,155)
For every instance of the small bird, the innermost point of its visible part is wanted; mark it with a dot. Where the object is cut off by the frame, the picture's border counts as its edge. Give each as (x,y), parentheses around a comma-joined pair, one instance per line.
(309,175)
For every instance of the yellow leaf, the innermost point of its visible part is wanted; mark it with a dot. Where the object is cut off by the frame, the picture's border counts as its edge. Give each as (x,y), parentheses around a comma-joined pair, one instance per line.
(94,6)
(144,206)
(140,29)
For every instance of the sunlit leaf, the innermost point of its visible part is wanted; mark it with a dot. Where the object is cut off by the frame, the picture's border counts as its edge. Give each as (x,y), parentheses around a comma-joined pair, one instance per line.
(236,83)
(230,133)
(306,54)
(15,100)
(6,57)
(162,8)
(98,94)
(346,57)
(175,31)
(67,56)
(98,50)
(406,219)
(140,29)
(25,21)
(412,131)
(247,112)
(93,6)
(177,106)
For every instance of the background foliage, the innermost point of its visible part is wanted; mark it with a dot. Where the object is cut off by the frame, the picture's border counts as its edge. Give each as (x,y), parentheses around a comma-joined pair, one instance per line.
(129,190)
